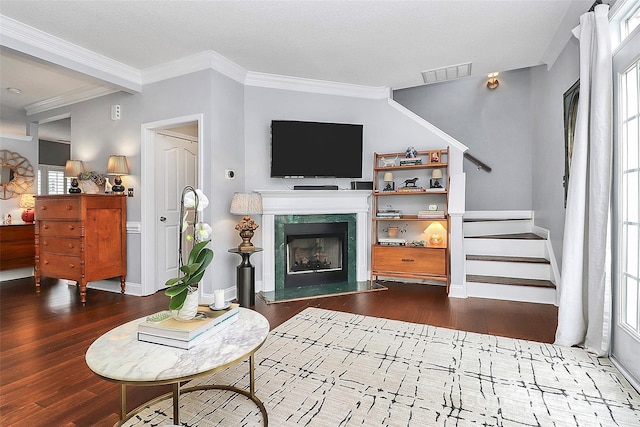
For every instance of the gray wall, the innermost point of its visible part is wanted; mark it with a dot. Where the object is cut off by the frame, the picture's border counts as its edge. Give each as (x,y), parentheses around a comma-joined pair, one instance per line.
(517,129)
(95,136)
(497,127)
(548,159)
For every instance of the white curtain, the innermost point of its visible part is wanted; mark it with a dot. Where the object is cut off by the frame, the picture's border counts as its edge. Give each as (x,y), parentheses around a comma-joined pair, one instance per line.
(584,315)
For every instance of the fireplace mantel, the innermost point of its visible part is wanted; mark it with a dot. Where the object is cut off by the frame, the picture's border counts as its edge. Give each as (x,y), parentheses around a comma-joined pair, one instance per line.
(310,202)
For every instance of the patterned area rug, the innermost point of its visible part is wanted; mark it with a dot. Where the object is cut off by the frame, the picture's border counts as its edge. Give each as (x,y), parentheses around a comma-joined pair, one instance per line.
(324,368)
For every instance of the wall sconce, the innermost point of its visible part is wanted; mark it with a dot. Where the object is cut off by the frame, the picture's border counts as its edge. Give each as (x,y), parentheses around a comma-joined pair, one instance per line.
(71,170)
(436,174)
(246,204)
(436,233)
(117,166)
(27,202)
(388,179)
(493,81)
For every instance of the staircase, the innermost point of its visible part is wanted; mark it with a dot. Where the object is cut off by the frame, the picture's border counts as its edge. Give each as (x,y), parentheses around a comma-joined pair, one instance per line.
(506,260)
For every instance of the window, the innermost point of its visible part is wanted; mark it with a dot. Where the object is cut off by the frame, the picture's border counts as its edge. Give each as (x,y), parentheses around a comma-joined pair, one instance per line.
(630,22)
(629,216)
(51,180)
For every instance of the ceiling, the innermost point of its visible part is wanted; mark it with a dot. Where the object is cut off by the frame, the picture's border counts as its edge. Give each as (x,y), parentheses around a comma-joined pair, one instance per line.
(374,43)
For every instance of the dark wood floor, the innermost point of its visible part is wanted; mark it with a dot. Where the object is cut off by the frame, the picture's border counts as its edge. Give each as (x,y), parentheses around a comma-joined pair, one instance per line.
(44,380)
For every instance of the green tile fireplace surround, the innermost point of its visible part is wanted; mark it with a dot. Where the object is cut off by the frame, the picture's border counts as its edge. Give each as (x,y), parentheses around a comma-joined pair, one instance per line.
(282,293)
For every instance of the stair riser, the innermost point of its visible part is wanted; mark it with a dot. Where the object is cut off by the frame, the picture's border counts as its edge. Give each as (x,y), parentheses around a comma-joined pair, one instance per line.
(509,269)
(511,293)
(505,247)
(497,227)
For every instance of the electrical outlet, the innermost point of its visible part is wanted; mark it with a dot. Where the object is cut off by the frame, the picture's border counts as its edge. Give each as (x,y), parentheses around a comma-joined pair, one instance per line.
(115,112)
(130,191)
(229,174)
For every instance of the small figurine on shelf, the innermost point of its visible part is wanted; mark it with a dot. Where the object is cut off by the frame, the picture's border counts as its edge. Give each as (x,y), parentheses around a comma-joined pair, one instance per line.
(411,153)
(410,182)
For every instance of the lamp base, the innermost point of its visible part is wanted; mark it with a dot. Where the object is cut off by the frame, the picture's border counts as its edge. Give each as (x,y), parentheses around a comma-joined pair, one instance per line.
(117,186)
(74,187)
(246,227)
(27,216)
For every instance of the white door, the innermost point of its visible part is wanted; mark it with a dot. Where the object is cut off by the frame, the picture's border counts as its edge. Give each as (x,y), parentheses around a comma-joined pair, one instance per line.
(626,286)
(176,166)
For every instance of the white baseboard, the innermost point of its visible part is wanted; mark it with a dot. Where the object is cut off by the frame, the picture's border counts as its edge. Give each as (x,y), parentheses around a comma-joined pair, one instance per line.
(114,286)
(635,382)
(457,291)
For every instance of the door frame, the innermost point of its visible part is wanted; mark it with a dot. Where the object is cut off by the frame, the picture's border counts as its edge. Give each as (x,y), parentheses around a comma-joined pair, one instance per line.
(148,241)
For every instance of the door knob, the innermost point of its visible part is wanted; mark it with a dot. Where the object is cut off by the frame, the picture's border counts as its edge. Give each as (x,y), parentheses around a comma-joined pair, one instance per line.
(163,219)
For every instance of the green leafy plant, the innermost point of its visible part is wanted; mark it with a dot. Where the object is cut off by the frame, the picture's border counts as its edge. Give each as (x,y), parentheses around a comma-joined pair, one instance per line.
(178,287)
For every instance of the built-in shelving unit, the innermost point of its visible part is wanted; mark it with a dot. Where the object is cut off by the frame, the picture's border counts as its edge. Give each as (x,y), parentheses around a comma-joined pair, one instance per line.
(410,194)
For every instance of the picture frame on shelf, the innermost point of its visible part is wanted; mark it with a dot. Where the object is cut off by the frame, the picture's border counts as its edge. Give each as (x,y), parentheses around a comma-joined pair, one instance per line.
(434,157)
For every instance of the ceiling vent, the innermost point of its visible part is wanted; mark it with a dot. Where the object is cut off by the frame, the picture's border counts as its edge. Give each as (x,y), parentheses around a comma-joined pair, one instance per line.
(447,73)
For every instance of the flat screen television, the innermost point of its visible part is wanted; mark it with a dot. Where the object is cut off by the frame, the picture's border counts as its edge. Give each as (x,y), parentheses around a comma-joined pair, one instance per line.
(312,149)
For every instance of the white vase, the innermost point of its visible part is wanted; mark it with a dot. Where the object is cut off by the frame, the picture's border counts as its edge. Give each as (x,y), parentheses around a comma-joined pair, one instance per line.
(189,309)
(89,187)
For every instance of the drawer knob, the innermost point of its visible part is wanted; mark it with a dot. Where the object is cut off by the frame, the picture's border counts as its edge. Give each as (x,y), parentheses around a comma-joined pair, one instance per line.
(45,243)
(71,227)
(43,207)
(407,260)
(46,262)
(72,265)
(69,207)
(71,245)
(46,227)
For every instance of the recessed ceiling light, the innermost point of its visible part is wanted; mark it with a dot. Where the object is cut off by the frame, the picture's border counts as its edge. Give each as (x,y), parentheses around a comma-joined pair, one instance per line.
(14,90)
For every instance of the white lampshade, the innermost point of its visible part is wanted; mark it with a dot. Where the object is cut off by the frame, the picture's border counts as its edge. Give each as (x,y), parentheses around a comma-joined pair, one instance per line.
(246,204)
(27,201)
(436,174)
(387,177)
(117,165)
(72,168)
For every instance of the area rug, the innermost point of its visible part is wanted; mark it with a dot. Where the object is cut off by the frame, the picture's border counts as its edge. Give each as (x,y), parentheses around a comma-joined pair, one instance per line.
(329,369)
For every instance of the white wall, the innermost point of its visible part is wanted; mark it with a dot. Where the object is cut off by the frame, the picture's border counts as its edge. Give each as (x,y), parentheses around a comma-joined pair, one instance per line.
(497,127)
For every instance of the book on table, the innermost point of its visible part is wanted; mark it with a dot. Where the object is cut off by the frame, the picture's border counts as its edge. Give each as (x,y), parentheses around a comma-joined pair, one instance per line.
(187,344)
(188,330)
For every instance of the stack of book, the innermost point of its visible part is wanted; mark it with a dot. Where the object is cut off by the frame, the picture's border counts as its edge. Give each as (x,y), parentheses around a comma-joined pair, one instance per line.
(388,241)
(431,214)
(160,329)
(389,213)
(411,189)
(411,161)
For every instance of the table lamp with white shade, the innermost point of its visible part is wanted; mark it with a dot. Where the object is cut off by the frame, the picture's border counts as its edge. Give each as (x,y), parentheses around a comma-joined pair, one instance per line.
(117,166)
(72,169)
(246,204)
(436,175)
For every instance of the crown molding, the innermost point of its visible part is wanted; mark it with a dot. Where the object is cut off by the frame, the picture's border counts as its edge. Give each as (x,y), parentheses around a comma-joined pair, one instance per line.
(200,61)
(71,97)
(274,81)
(37,43)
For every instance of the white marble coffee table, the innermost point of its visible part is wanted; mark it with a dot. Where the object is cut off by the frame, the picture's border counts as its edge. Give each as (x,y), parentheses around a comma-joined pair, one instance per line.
(118,356)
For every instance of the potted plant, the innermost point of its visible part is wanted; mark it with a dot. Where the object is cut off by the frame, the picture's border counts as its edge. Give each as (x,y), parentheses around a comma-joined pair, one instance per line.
(183,290)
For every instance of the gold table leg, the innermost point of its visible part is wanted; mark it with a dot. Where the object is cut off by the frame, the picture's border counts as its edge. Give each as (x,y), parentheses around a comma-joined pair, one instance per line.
(123,402)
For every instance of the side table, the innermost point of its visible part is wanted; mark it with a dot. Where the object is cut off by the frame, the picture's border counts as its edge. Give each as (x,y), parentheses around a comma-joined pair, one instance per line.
(246,277)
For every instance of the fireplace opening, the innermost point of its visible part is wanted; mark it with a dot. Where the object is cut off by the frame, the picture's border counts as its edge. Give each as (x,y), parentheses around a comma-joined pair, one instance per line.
(315,253)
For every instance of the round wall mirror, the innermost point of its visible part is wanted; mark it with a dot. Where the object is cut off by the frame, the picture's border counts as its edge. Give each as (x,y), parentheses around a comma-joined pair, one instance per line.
(16,174)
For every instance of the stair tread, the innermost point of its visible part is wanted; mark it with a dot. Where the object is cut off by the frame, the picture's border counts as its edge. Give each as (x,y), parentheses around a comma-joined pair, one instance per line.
(514,236)
(494,219)
(531,260)
(516,281)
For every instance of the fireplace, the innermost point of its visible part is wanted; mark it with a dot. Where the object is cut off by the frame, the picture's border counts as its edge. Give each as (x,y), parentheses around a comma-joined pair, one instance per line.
(315,253)
(304,209)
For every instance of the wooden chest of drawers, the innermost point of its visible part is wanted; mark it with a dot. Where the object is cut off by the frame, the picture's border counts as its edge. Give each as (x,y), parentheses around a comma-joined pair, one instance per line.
(415,262)
(17,246)
(81,237)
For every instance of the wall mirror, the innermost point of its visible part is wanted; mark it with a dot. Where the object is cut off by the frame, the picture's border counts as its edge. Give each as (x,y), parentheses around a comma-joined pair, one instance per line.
(16,174)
